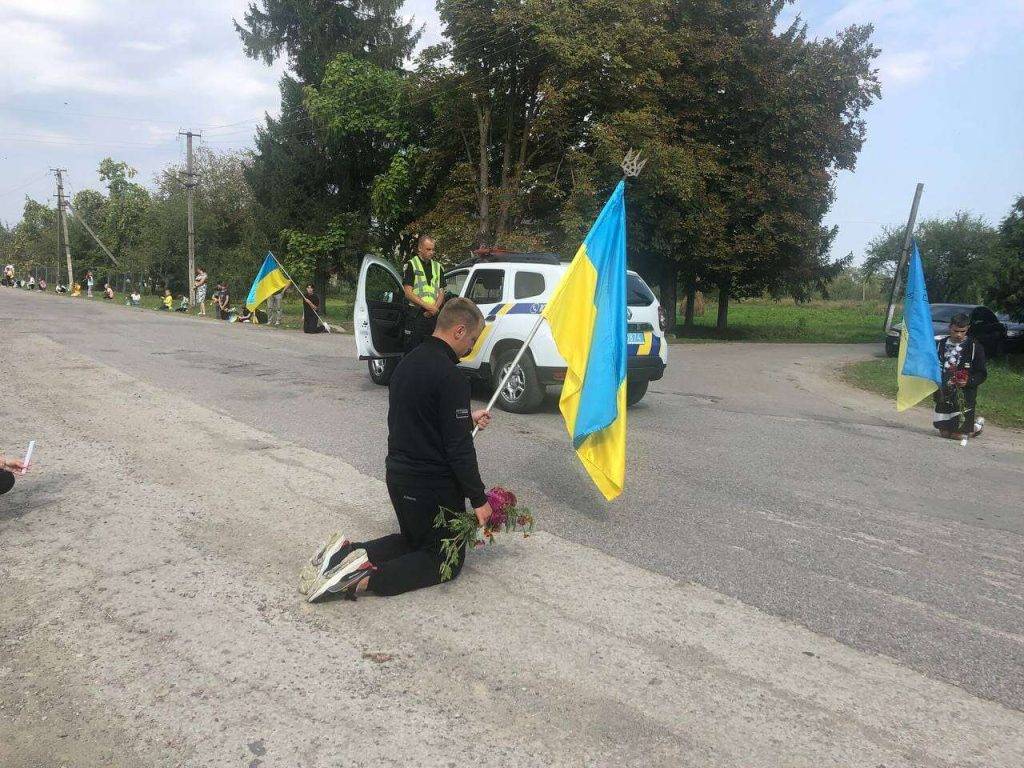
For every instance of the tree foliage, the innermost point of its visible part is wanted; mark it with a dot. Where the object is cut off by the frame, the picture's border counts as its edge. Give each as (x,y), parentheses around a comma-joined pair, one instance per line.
(959,254)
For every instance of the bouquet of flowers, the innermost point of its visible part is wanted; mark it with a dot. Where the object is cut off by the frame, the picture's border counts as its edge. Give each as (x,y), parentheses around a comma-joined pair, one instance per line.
(957,381)
(462,528)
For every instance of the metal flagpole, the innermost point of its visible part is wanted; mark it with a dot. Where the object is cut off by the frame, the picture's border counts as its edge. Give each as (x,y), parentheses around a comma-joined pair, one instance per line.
(301,294)
(632,166)
(903,259)
(512,367)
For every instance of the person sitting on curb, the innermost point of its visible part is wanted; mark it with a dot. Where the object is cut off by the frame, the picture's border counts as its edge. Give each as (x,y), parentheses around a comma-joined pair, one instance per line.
(431,464)
(167,302)
(963,371)
(183,304)
(108,292)
(223,301)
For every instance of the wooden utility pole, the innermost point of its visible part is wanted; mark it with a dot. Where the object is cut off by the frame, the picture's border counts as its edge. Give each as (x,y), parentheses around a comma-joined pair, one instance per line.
(908,236)
(64,223)
(190,185)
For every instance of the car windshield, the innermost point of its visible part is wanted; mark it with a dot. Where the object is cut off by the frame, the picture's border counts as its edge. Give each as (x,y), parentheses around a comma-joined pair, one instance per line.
(637,292)
(943,313)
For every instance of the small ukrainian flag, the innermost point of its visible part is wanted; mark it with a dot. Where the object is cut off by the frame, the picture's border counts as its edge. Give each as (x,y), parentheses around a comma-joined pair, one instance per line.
(270,279)
(587,315)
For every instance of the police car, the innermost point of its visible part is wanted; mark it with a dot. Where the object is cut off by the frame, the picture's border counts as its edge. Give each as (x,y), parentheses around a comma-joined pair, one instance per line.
(511,289)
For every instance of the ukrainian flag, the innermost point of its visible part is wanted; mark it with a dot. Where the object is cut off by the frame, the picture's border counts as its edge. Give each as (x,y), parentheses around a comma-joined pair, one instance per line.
(587,315)
(918,373)
(269,280)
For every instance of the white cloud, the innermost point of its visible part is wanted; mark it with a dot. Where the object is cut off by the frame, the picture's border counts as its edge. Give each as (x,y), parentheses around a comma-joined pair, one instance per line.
(920,38)
(58,10)
(905,68)
(144,46)
(40,59)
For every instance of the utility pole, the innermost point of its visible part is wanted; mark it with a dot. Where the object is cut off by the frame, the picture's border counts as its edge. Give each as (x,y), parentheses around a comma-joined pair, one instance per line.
(190,186)
(904,252)
(64,223)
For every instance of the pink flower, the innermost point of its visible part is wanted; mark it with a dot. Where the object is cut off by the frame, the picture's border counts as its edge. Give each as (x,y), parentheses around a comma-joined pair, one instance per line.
(501,500)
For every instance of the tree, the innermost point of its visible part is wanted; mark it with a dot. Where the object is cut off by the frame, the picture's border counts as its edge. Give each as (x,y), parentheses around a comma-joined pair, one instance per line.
(1007,289)
(304,187)
(124,214)
(959,256)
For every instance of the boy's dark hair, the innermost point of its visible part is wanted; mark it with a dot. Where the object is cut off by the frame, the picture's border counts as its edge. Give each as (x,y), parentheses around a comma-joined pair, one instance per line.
(960,320)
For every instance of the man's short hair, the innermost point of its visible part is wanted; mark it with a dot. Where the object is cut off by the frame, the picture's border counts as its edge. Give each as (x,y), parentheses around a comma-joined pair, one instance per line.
(960,320)
(424,238)
(459,311)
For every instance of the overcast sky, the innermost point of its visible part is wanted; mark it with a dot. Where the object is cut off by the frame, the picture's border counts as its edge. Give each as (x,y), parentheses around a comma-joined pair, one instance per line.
(86,79)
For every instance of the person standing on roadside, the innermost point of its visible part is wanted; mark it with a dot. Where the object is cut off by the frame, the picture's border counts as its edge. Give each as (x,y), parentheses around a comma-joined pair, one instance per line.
(89,282)
(424,285)
(431,464)
(274,307)
(200,284)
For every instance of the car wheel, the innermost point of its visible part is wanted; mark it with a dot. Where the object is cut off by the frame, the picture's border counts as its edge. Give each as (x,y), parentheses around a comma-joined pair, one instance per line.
(381,369)
(523,392)
(635,391)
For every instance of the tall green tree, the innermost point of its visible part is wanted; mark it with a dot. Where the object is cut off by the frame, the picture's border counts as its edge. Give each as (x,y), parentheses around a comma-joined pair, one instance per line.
(1006,290)
(305,185)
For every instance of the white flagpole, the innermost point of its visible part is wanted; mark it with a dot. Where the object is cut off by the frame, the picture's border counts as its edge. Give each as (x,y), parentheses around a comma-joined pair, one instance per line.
(301,294)
(512,367)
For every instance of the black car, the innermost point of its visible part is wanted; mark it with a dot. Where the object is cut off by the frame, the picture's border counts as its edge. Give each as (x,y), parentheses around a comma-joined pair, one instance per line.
(1014,333)
(985,327)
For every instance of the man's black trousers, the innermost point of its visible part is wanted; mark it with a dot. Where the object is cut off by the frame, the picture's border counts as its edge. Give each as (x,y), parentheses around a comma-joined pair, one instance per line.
(412,559)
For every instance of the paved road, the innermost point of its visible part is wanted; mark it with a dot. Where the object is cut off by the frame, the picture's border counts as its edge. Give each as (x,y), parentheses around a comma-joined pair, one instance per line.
(749,473)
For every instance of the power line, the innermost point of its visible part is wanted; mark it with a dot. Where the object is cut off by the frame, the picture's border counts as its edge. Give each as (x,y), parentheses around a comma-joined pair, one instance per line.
(36,179)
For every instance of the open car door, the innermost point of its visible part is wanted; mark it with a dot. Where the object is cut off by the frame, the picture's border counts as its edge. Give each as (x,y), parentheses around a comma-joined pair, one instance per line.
(380,310)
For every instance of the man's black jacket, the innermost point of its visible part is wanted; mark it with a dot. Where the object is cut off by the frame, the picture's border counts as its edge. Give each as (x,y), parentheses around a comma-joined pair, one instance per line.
(429,421)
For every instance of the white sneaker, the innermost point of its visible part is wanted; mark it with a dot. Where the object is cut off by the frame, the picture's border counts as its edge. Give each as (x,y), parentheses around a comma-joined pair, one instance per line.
(345,574)
(320,562)
(979,424)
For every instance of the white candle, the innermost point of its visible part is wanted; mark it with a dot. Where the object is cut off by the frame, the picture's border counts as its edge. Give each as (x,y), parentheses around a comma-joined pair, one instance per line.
(28,456)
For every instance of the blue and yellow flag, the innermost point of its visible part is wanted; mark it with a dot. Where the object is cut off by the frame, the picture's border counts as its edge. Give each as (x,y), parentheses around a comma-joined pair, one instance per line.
(918,373)
(587,315)
(269,280)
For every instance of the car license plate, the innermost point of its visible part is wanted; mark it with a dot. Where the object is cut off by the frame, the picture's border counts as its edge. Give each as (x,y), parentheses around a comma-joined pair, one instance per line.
(635,338)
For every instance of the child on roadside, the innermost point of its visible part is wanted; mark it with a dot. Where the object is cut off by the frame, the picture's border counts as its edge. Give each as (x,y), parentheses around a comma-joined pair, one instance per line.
(168,301)
(183,304)
(963,371)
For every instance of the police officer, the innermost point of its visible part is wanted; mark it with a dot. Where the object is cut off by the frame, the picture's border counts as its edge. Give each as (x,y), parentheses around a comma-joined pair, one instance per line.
(424,286)
(431,463)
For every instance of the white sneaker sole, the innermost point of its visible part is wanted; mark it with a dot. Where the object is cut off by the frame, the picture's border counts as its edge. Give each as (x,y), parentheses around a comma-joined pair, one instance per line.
(352,562)
(323,555)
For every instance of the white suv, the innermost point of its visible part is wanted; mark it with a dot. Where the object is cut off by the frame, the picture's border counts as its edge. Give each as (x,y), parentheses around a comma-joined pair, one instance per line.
(510,292)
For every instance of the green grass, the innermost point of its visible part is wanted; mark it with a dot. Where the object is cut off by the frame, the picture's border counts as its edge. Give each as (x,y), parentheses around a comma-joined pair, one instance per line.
(1000,398)
(338,311)
(764,320)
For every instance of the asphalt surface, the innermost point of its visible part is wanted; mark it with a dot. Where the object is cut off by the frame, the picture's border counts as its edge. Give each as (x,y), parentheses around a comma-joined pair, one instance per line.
(749,472)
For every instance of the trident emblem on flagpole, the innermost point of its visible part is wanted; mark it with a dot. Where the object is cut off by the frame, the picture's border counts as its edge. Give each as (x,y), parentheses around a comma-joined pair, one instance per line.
(633,164)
